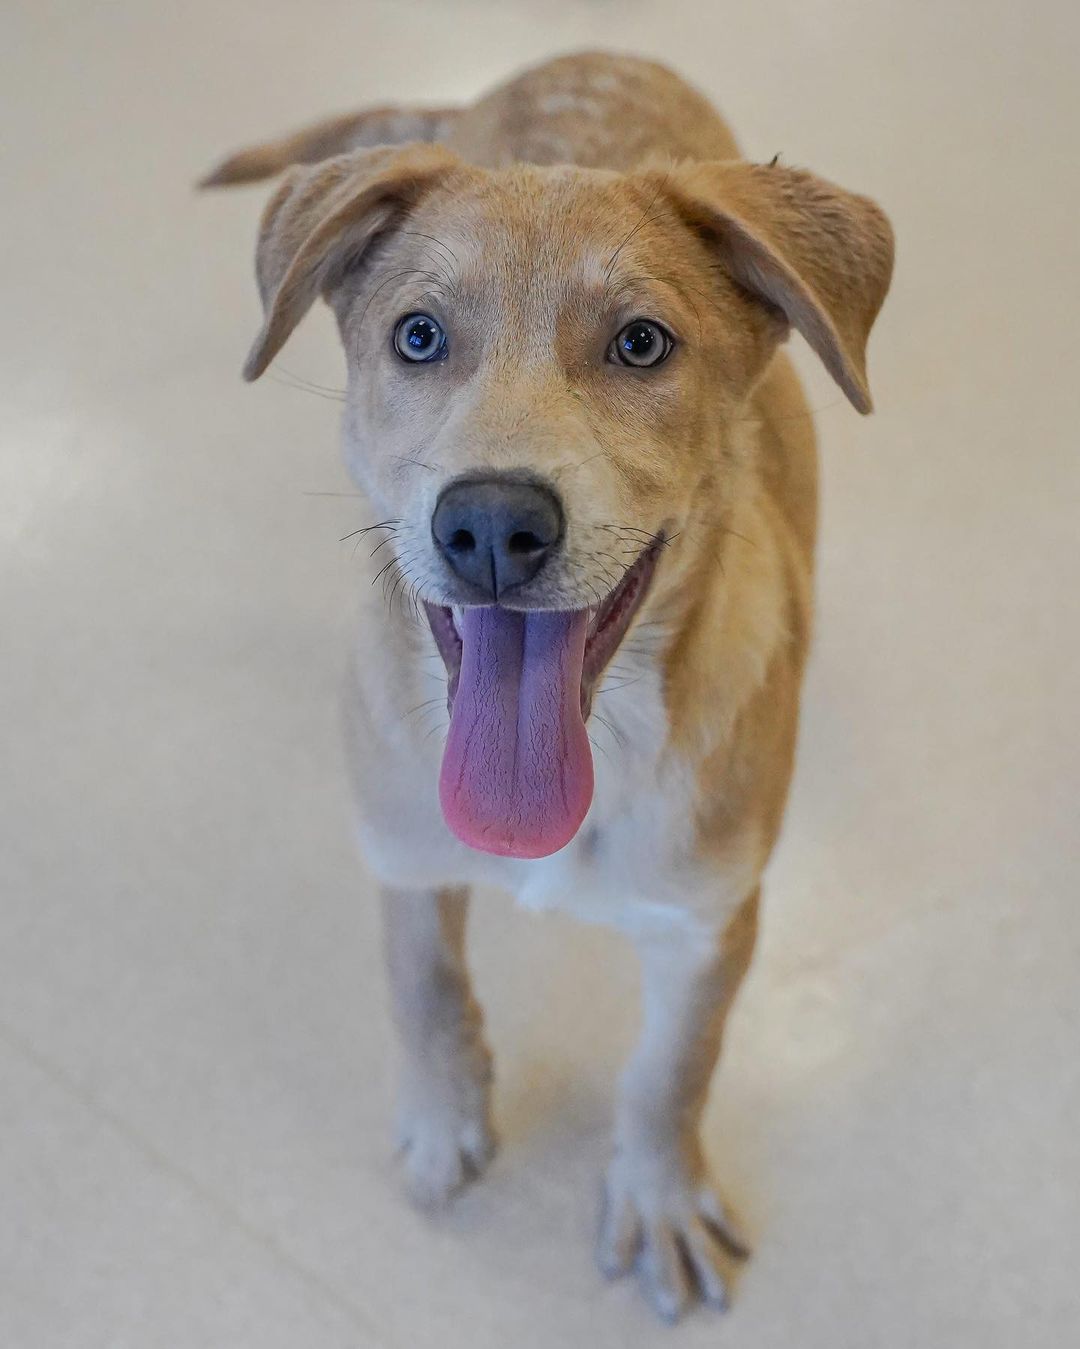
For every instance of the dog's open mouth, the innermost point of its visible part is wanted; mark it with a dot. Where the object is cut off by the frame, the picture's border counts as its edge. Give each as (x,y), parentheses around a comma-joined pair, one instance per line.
(517,774)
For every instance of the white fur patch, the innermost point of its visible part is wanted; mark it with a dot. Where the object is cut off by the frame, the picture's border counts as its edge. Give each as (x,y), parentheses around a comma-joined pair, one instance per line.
(551,104)
(631,864)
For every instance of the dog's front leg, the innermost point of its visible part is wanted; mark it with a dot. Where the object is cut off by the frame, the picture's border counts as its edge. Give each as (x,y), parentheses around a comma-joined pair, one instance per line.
(661,1212)
(444,1120)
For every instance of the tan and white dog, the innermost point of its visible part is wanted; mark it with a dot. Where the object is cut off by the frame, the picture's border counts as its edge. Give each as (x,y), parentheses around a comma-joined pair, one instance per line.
(561,309)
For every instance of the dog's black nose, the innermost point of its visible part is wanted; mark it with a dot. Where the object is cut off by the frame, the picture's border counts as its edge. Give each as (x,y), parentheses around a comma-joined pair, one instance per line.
(497,532)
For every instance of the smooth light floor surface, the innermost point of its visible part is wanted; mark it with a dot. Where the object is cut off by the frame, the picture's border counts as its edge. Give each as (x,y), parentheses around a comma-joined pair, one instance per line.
(195,1068)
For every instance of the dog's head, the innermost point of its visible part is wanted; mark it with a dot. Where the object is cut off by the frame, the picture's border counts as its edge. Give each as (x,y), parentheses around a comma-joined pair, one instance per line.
(545,370)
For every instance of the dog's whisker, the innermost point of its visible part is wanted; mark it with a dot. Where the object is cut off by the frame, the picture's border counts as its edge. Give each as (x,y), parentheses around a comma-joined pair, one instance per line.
(429,702)
(395,276)
(308,383)
(621,684)
(644,217)
(366,529)
(439,726)
(620,739)
(304,388)
(600,454)
(451,256)
(415,463)
(599,748)
(382,570)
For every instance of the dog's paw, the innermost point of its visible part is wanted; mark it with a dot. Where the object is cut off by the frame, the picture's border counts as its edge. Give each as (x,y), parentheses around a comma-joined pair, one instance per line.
(673,1230)
(444,1129)
(442,1152)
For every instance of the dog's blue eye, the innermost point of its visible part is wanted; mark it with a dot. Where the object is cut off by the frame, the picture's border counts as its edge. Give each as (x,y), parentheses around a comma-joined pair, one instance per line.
(641,343)
(418,337)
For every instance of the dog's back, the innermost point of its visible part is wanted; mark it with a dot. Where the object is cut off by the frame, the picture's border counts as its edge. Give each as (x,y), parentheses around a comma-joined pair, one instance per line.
(592,109)
(596,110)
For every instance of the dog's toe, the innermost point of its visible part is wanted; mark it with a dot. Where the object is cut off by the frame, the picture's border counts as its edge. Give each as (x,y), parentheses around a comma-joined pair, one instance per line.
(663,1277)
(620,1236)
(676,1236)
(442,1153)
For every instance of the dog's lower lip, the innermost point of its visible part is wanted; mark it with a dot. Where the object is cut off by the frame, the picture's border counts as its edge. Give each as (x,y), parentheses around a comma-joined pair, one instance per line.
(609,622)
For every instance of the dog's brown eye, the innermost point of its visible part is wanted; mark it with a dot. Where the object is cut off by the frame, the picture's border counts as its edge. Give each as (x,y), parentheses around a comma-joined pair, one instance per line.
(418,337)
(641,343)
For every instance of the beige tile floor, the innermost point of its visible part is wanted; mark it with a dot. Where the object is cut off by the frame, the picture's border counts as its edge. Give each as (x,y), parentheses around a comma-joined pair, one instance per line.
(194,1080)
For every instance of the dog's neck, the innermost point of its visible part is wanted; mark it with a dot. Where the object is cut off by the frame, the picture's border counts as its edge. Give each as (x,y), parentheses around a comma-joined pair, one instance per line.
(721,606)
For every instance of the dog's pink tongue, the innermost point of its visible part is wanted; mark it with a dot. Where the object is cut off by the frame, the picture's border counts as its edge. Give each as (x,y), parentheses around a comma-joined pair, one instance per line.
(517,775)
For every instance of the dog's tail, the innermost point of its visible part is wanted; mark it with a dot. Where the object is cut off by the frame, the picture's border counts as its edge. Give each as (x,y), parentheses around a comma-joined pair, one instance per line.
(354,131)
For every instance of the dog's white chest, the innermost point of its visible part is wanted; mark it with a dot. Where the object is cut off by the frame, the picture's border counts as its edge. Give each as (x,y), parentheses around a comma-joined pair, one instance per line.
(627,866)
(632,863)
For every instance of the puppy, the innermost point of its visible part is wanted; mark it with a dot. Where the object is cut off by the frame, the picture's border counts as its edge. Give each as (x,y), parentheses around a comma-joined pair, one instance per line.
(596,487)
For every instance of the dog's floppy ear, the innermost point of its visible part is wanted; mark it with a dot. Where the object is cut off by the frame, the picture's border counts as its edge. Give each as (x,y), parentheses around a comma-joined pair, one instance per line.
(321,220)
(821,256)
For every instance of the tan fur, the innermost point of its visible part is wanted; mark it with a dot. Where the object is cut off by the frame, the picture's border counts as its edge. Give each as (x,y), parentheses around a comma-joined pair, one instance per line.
(590,191)
(334,136)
